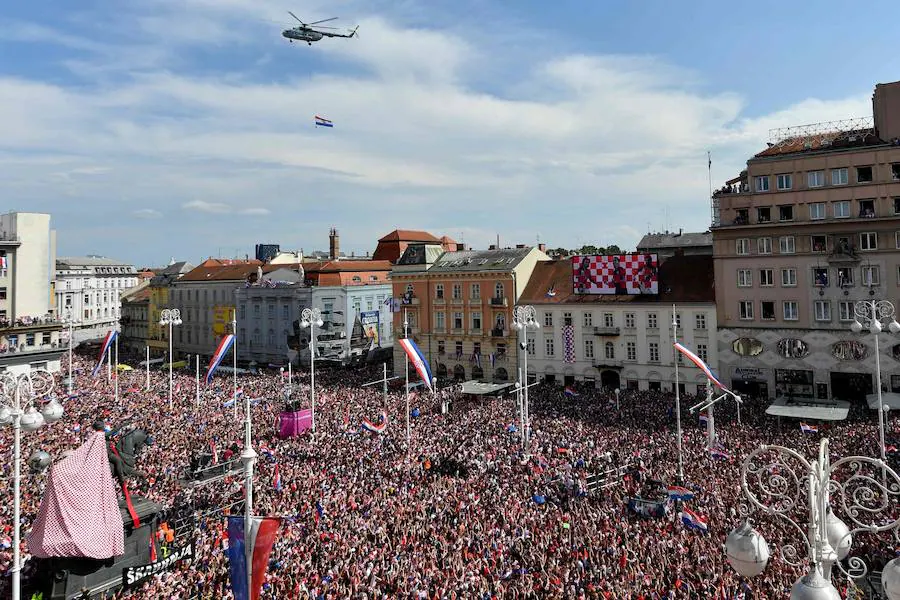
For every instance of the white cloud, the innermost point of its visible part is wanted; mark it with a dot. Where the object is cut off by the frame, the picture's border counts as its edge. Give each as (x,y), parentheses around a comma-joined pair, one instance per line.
(147,213)
(219,208)
(589,147)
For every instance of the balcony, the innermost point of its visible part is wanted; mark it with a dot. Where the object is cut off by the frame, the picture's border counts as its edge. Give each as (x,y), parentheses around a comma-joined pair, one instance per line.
(7,239)
(440,301)
(34,349)
(499,332)
(30,323)
(607,363)
(499,301)
(606,331)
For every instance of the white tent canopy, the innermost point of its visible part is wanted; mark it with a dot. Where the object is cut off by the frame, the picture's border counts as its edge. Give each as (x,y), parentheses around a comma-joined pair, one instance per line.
(889,398)
(835,410)
(482,388)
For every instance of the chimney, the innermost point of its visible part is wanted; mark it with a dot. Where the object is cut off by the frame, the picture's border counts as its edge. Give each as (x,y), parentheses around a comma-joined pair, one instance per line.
(886,110)
(334,244)
(519,246)
(542,247)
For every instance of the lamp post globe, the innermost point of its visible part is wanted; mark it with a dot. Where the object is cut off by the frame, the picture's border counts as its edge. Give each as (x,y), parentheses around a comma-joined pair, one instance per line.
(31,420)
(856,327)
(38,461)
(52,411)
(6,415)
(747,550)
(813,586)
(838,535)
(890,579)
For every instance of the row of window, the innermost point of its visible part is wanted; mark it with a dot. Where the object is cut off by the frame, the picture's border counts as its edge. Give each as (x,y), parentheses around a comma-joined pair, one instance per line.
(790,310)
(456,291)
(817,179)
(787,244)
(609,351)
(818,211)
(609,320)
(819,277)
(101,283)
(457,321)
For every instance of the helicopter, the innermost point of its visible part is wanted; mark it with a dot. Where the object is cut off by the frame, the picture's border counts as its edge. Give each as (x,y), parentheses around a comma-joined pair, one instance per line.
(309,34)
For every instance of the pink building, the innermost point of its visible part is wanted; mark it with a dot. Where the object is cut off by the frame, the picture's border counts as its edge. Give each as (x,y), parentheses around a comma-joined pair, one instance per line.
(809,229)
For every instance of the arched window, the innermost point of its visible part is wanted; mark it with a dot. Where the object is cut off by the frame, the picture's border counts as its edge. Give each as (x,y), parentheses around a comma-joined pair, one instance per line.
(498,290)
(610,351)
(500,322)
(439,291)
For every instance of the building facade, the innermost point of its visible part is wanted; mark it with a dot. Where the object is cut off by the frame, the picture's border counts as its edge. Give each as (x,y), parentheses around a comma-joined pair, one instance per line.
(29,322)
(622,342)
(458,306)
(135,320)
(267,315)
(806,233)
(668,244)
(159,286)
(88,289)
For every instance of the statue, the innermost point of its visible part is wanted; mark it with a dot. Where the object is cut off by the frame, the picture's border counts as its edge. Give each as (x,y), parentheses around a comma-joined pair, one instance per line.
(123,452)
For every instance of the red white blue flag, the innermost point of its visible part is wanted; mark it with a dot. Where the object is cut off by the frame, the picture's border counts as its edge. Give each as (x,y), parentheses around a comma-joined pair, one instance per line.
(702,365)
(417,359)
(692,520)
(104,348)
(323,122)
(808,428)
(261,537)
(224,346)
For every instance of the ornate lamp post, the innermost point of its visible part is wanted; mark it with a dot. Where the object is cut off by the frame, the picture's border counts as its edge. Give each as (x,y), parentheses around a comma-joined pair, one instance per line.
(312,317)
(875,315)
(524,317)
(775,480)
(170,317)
(23,390)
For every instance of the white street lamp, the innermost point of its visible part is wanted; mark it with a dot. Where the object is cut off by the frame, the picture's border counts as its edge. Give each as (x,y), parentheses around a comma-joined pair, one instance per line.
(617,391)
(34,385)
(312,317)
(172,318)
(775,480)
(524,317)
(69,321)
(873,315)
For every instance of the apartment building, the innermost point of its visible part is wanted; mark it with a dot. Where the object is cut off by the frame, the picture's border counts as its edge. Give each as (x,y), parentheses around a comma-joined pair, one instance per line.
(810,229)
(135,320)
(29,323)
(458,306)
(88,291)
(622,341)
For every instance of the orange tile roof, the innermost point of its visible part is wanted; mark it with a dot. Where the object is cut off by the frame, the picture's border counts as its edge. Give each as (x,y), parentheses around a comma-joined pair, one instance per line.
(409,235)
(355,265)
(681,279)
(219,273)
(813,143)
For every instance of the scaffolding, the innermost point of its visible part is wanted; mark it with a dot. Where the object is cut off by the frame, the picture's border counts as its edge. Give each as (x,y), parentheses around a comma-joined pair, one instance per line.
(825,133)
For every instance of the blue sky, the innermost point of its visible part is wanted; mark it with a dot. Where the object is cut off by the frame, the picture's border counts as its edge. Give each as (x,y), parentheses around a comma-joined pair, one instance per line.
(160,128)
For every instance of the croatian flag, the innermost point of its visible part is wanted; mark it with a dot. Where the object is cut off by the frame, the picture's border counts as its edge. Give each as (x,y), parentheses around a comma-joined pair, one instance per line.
(277,481)
(379,428)
(676,492)
(323,122)
(551,293)
(261,537)
(418,361)
(720,454)
(702,365)
(571,393)
(703,419)
(224,346)
(692,520)
(104,348)
(808,428)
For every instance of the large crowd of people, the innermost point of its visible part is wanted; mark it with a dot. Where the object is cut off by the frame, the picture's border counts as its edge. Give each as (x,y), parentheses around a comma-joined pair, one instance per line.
(365,517)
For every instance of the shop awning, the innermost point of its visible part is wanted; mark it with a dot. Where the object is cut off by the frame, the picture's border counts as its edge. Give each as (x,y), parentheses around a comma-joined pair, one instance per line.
(834,410)
(484,388)
(889,398)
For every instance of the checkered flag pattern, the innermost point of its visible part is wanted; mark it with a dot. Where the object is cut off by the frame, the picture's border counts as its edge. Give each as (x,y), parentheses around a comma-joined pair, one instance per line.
(598,275)
(79,514)
(568,332)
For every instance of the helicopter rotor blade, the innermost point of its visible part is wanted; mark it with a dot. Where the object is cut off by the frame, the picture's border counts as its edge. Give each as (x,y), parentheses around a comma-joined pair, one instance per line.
(296,17)
(322,21)
(323,27)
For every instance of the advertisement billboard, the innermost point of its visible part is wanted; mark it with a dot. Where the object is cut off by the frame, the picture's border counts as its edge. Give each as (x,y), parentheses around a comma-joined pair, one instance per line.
(371,324)
(618,274)
(222,316)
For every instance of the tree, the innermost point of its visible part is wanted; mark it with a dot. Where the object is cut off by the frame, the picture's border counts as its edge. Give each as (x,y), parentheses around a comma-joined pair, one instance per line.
(589,249)
(613,249)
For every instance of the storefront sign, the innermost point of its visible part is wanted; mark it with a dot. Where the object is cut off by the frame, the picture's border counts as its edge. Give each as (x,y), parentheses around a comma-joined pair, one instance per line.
(749,374)
(132,576)
(849,350)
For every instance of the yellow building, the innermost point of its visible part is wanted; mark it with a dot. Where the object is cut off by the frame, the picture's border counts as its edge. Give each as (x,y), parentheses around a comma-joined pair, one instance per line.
(157,335)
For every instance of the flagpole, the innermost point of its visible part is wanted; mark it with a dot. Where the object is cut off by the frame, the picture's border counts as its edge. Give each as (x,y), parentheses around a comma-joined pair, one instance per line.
(148,367)
(677,396)
(406,360)
(710,418)
(198,380)
(234,357)
(117,369)
(108,364)
(384,382)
